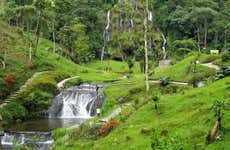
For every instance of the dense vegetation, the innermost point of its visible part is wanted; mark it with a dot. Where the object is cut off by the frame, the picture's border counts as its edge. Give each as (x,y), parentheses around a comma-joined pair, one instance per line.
(123,42)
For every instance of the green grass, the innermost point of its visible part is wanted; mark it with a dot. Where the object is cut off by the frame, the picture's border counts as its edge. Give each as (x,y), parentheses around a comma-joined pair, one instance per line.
(44,60)
(186,115)
(183,70)
(114,66)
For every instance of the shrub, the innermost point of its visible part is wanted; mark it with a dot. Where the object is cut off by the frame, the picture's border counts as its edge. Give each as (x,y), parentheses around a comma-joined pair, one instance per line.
(225,57)
(32,66)
(10,78)
(12,111)
(130,65)
(105,129)
(73,82)
(224,72)
(37,102)
(155,99)
(169,89)
(165,142)
(195,79)
(164,81)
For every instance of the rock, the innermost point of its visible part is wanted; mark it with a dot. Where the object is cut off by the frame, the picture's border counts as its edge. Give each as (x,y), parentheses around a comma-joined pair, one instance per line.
(18,120)
(121,100)
(145,131)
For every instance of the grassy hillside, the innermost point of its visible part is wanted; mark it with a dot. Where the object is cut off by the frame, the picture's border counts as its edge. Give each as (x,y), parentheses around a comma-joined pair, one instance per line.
(186,117)
(183,70)
(56,69)
(17,62)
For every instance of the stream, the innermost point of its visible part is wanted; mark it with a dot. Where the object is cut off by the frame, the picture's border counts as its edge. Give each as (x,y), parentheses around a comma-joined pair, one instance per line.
(71,107)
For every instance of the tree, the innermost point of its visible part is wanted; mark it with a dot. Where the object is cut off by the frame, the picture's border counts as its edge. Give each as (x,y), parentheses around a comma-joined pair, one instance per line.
(146,49)
(3,50)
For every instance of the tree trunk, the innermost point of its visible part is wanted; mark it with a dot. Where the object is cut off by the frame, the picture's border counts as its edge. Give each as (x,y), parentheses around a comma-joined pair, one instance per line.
(37,32)
(205,33)
(198,38)
(212,133)
(3,65)
(54,39)
(225,40)
(146,50)
(30,53)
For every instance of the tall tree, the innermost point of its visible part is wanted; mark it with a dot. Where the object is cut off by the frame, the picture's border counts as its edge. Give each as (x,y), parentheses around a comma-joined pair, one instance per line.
(146,48)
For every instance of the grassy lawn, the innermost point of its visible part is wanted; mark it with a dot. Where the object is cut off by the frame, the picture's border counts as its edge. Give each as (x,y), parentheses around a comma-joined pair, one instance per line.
(114,66)
(183,70)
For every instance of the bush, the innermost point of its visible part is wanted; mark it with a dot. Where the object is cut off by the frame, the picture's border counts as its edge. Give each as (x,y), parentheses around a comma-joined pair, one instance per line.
(32,66)
(49,87)
(130,65)
(164,81)
(12,111)
(195,79)
(161,141)
(225,57)
(37,103)
(224,72)
(169,89)
(73,82)
(105,129)
(10,79)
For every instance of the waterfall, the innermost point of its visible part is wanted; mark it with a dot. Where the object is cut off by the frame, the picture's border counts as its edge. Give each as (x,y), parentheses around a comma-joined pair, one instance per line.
(164,45)
(41,140)
(106,34)
(77,102)
(150,15)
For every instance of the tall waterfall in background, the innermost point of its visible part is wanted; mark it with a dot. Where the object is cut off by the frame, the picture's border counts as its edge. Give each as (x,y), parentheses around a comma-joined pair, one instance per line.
(106,34)
(164,45)
(150,16)
(77,102)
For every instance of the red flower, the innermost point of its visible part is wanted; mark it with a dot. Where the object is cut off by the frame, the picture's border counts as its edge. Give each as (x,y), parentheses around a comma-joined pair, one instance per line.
(108,127)
(10,78)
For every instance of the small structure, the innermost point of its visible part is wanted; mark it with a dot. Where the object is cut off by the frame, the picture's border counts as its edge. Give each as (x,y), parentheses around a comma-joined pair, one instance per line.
(214,51)
(98,111)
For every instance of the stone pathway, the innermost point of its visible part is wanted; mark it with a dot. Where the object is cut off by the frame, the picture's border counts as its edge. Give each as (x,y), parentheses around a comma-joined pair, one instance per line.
(61,84)
(29,81)
(174,82)
(114,113)
(211,65)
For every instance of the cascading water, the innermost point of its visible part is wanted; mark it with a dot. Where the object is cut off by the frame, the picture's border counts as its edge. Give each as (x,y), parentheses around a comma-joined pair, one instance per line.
(77,102)
(39,140)
(106,34)
(164,45)
(150,15)
(72,106)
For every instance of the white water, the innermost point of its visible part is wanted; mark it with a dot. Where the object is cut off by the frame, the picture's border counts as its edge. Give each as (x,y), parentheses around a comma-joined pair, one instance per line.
(150,16)
(77,102)
(106,34)
(42,141)
(164,45)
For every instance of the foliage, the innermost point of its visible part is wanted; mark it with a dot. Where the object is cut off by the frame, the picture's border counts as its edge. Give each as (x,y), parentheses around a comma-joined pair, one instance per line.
(218,108)
(73,82)
(164,81)
(225,56)
(37,103)
(224,72)
(9,112)
(165,142)
(10,79)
